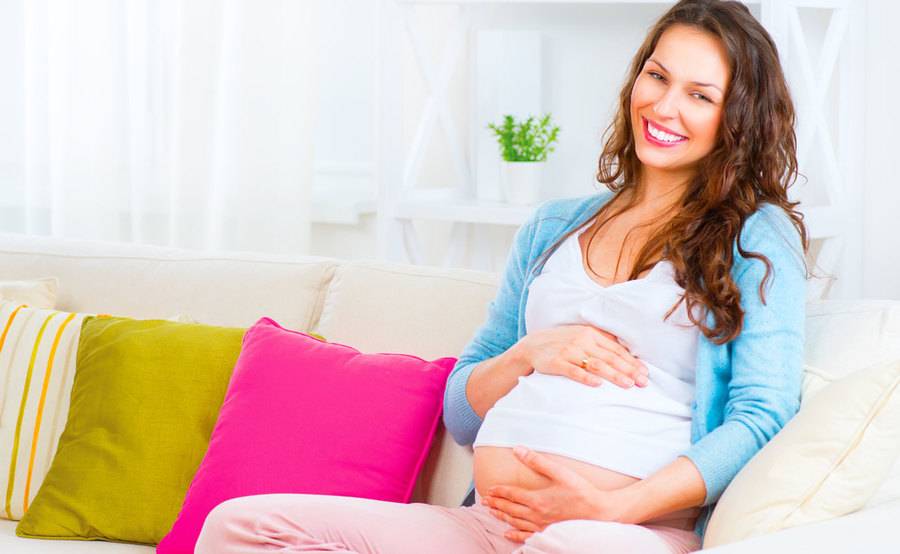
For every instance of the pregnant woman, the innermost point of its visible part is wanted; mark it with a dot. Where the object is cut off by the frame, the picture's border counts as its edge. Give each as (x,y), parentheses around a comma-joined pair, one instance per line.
(645,342)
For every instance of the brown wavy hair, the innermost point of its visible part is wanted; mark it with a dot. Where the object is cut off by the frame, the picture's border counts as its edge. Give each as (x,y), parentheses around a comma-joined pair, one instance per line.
(753,162)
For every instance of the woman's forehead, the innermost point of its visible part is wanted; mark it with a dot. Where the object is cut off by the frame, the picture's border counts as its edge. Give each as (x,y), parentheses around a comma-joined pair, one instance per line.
(692,55)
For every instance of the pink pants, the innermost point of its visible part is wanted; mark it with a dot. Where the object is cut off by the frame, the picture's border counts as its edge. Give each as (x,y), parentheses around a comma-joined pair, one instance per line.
(317,523)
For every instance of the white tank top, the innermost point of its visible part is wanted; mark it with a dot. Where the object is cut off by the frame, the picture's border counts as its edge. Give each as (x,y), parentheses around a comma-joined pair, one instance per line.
(635,431)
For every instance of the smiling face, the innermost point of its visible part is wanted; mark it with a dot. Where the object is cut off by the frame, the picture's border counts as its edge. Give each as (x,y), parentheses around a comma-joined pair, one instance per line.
(677,100)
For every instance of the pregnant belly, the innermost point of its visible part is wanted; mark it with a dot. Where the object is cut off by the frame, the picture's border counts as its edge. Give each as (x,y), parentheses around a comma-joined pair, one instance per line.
(495,465)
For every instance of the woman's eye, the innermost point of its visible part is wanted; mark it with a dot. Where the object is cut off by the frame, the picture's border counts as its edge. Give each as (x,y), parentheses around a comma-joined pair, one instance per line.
(655,75)
(702,97)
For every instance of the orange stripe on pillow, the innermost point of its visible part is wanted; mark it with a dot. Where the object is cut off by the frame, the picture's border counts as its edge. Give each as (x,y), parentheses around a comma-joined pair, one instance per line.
(15,448)
(9,323)
(40,410)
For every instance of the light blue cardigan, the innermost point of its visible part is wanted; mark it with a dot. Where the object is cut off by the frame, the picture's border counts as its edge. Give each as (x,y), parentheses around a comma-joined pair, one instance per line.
(746,390)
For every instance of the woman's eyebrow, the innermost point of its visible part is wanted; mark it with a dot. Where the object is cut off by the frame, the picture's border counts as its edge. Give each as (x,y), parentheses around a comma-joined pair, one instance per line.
(698,83)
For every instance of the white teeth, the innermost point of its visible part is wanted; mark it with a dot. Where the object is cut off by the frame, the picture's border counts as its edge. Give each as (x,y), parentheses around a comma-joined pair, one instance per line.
(662,135)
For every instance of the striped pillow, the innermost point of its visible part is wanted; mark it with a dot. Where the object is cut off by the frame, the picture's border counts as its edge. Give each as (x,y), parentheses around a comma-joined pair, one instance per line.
(37,368)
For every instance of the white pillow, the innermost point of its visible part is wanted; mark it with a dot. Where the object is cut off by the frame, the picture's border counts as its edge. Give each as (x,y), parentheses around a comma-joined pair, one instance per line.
(826,462)
(37,293)
(37,367)
(843,336)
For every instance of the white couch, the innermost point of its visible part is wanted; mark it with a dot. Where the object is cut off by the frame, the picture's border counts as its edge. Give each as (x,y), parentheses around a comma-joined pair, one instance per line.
(374,306)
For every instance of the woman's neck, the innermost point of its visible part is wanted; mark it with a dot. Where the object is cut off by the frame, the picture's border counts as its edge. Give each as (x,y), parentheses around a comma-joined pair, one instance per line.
(659,191)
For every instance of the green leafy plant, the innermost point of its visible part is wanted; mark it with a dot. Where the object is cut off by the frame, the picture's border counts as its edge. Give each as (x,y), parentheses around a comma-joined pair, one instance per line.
(525,141)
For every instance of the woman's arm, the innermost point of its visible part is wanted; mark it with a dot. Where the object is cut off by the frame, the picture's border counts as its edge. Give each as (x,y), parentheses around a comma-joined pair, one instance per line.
(763,393)
(496,372)
(675,487)
(765,361)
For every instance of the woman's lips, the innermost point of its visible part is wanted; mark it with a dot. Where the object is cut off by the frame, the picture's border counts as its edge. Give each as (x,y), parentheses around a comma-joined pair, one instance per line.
(655,141)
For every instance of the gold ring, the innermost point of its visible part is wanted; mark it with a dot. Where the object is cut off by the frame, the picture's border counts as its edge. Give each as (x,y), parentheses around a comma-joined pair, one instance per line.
(584,363)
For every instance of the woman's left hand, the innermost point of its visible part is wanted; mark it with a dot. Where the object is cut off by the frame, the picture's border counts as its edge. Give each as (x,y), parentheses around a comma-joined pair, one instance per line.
(569,496)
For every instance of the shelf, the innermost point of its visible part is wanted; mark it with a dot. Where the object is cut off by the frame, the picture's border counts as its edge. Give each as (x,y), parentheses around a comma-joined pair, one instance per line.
(342,209)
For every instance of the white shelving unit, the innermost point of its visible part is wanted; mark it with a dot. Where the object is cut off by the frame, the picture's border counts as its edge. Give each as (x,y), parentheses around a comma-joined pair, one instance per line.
(834,220)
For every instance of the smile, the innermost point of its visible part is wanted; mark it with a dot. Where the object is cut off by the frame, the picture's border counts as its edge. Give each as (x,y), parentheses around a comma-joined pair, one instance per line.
(659,136)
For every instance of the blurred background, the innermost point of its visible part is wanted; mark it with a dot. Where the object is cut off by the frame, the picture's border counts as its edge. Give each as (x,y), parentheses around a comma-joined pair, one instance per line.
(358,128)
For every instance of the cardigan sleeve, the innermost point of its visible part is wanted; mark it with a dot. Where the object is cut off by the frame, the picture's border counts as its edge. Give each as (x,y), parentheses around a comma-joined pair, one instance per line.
(763,388)
(495,336)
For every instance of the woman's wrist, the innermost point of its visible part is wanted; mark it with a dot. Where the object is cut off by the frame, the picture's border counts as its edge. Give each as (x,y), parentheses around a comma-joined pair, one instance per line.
(517,358)
(617,505)
(493,378)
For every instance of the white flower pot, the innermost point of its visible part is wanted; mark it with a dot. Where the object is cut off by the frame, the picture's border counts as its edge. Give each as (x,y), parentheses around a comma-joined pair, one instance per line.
(520,182)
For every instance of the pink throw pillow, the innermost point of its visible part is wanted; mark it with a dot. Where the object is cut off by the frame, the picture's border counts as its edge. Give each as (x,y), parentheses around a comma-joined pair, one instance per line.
(306,416)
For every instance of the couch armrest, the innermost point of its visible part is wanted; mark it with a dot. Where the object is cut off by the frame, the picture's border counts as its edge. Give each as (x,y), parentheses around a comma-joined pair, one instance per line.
(870,530)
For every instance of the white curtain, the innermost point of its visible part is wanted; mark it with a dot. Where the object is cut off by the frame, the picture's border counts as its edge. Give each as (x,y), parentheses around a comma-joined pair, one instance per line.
(175,122)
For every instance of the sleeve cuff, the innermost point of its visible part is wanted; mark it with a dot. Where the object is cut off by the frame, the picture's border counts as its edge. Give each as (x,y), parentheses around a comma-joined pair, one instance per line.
(460,419)
(720,455)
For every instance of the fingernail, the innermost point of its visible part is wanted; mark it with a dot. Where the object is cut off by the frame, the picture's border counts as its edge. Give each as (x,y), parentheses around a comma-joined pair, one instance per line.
(628,382)
(641,380)
(520,451)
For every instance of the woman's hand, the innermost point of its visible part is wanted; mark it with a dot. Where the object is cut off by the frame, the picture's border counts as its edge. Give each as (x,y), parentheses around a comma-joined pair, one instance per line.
(582,353)
(569,496)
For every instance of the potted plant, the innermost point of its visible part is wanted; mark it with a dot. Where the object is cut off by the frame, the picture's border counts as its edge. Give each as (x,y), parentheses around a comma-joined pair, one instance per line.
(524,147)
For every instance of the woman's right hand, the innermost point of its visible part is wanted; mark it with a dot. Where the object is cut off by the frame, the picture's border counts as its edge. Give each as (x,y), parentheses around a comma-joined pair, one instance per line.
(560,351)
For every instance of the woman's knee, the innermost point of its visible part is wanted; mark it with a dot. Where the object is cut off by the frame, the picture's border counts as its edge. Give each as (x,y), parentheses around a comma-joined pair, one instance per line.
(221,525)
(590,537)
(227,512)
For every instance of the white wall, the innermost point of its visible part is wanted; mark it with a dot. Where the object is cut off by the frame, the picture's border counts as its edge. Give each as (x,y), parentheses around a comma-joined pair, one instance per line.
(881,204)
(583,51)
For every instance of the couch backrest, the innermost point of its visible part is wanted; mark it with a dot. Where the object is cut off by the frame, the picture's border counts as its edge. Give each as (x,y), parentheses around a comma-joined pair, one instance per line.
(372,306)
(428,312)
(155,282)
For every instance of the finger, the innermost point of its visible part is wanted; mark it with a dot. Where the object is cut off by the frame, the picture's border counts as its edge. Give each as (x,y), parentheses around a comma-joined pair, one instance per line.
(542,464)
(513,494)
(518,523)
(512,508)
(622,377)
(517,536)
(622,365)
(588,376)
(618,349)
(618,365)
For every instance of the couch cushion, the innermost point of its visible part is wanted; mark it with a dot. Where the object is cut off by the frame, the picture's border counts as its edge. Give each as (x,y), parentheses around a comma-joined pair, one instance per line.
(844,336)
(426,311)
(10,543)
(37,293)
(232,289)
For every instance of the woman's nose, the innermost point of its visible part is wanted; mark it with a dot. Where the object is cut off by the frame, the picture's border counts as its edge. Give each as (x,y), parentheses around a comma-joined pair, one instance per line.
(666,105)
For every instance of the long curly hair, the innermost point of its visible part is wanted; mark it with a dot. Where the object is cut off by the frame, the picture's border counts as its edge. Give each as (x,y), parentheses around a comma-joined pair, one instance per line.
(753,162)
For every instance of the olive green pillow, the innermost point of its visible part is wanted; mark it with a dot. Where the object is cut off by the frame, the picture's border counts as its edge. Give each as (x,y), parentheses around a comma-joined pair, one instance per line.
(144,402)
